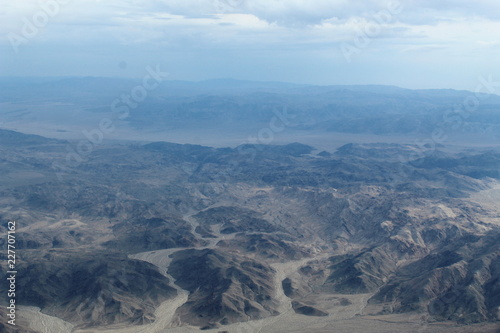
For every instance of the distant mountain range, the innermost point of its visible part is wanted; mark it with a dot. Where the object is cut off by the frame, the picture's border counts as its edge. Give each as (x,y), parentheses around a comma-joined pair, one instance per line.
(227,104)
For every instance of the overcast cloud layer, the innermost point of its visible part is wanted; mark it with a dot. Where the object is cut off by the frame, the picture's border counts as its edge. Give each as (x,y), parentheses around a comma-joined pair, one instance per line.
(415,44)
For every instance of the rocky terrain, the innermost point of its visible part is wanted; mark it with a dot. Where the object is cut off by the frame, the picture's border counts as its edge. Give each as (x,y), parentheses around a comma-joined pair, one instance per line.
(254,235)
(224,288)
(92,291)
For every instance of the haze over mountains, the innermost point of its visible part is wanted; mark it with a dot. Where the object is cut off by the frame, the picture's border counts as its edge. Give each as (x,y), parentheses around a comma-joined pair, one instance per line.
(280,225)
(228,112)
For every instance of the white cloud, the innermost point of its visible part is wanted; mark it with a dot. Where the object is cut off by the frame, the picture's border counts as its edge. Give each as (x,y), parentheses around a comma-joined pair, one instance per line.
(254,29)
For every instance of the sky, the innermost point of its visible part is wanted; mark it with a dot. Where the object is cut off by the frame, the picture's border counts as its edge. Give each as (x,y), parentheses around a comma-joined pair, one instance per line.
(407,43)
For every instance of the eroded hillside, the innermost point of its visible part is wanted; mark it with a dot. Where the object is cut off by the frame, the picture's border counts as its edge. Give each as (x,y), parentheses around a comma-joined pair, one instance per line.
(253,234)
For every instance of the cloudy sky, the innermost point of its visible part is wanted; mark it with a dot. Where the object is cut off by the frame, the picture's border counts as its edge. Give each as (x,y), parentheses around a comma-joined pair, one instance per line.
(409,43)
